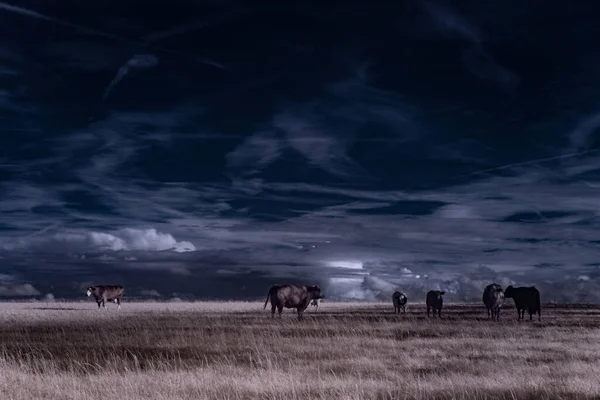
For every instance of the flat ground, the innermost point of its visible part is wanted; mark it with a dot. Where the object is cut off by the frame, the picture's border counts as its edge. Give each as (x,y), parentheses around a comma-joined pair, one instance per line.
(343,351)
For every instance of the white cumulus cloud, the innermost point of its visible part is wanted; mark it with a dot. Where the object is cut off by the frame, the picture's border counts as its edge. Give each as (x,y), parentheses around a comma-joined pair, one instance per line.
(128,239)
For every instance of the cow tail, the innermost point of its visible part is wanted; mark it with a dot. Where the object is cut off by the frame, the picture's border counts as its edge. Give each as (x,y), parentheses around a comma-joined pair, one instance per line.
(268,296)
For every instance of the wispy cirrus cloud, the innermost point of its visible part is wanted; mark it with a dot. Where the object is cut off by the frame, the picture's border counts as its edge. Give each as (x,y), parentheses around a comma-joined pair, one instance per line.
(322,130)
(476,58)
(256,152)
(137,61)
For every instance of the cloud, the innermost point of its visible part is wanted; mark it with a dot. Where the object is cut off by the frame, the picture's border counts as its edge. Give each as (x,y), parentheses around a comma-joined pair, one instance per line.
(311,141)
(582,136)
(482,65)
(450,22)
(476,59)
(256,152)
(36,15)
(137,61)
(18,290)
(128,239)
(323,129)
(150,293)
(345,264)
(48,297)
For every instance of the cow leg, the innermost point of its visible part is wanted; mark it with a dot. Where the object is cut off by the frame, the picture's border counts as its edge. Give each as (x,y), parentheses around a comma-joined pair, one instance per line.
(440,313)
(403,309)
(279,310)
(99,302)
(118,301)
(427,311)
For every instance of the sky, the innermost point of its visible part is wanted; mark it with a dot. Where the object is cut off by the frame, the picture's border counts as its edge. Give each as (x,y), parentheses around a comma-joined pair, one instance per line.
(210,149)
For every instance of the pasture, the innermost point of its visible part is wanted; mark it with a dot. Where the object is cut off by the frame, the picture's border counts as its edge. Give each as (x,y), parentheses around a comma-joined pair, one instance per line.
(234,350)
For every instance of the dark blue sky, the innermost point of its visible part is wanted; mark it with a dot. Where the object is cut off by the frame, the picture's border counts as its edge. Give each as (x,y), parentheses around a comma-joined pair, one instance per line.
(209,150)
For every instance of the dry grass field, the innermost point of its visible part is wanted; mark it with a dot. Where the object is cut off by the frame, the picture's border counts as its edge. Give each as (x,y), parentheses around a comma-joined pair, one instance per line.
(343,351)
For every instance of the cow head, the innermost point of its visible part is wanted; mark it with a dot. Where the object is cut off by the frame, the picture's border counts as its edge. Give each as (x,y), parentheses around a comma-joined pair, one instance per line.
(439,295)
(509,291)
(90,290)
(315,292)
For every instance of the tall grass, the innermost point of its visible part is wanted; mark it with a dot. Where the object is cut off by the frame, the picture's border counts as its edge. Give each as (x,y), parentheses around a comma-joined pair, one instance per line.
(343,351)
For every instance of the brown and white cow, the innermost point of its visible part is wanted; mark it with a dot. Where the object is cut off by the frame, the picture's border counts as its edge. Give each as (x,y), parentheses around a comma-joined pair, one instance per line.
(104,293)
(399,299)
(493,298)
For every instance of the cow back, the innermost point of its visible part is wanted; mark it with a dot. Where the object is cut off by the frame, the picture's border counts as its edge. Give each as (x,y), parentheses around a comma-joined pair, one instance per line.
(525,297)
(109,292)
(290,295)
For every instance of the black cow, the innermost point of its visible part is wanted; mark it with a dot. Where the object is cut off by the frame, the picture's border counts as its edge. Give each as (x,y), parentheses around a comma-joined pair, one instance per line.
(525,298)
(103,293)
(435,301)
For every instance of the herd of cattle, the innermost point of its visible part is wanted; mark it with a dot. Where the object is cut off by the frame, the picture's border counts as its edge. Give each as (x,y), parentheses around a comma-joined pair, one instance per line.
(300,297)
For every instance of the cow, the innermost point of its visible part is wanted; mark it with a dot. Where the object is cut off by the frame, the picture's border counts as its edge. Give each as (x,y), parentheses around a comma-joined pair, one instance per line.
(399,299)
(315,303)
(525,298)
(103,293)
(290,296)
(435,301)
(493,298)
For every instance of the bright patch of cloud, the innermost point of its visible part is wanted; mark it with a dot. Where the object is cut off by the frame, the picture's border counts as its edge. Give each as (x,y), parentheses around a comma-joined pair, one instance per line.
(345,264)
